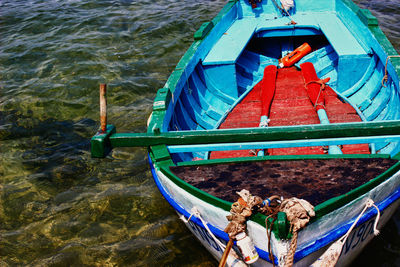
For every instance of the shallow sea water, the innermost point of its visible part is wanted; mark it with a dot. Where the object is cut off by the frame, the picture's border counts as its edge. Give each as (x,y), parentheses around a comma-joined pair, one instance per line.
(60,207)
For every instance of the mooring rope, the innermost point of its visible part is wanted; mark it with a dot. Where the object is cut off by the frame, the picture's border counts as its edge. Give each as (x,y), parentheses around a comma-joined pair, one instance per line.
(331,256)
(385,77)
(196,212)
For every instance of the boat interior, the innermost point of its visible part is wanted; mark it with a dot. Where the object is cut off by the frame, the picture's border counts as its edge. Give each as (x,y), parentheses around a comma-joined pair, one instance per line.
(223,89)
(223,83)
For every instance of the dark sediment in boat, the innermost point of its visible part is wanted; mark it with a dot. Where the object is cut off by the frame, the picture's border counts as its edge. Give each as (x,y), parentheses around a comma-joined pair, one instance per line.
(315,180)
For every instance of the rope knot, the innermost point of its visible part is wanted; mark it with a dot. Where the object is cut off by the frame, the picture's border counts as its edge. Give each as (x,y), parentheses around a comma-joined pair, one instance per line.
(299,213)
(321,82)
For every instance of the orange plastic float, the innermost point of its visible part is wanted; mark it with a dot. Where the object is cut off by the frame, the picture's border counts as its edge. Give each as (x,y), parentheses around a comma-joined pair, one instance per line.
(294,57)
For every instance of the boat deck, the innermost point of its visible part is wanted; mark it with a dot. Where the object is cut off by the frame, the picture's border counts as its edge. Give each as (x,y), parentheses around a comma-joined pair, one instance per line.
(290,106)
(315,180)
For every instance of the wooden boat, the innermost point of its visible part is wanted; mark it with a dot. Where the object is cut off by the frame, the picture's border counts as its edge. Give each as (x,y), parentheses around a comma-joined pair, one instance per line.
(208,137)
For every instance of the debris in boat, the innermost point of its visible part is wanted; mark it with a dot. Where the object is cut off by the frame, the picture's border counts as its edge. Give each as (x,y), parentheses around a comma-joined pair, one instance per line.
(315,180)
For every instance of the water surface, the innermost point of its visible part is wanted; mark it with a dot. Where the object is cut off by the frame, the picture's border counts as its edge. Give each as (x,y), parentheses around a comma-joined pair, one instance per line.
(60,207)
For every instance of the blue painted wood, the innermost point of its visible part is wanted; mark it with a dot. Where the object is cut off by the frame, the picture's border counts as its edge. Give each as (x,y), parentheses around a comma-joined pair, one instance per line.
(213,106)
(393,112)
(362,98)
(217,88)
(323,118)
(203,103)
(389,148)
(267,8)
(236,38)
(370,70)
(280,26)
(378,103)
(387,110)
(344,43)
(325,62)
(224,77)
(255,63)
(182,119)
(196,113)
(353,59)
(283,144)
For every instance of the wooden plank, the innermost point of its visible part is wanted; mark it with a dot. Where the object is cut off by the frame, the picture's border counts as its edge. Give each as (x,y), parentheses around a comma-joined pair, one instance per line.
(339,36)
(340,130)
(236,38)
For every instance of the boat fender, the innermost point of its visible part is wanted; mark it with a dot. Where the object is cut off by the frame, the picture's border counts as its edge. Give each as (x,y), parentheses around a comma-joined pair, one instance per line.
(246,247)
(295,56)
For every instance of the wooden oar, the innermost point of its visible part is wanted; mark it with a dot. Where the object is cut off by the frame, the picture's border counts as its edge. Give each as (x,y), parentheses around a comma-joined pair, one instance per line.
(267,85)
(226,253)
(315,90)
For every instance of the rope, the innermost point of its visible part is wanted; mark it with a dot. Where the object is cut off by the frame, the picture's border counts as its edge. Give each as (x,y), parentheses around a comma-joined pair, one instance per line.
(269,233)
(331,256)
(299,213)
(272,210)
(196,212)
(292,250)
(322,83)
(385,77)
(283,10)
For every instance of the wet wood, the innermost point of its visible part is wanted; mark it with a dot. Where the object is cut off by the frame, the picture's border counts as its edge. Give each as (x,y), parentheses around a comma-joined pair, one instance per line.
(103,108)
(226,253)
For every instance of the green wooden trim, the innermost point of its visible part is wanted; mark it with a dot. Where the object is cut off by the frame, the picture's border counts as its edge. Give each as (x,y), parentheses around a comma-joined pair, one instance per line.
(282,157)
(205,28)
(367,18)
(316,131)
(162,99)
(156,122)
(335,203)
(100,144)
(160,153)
